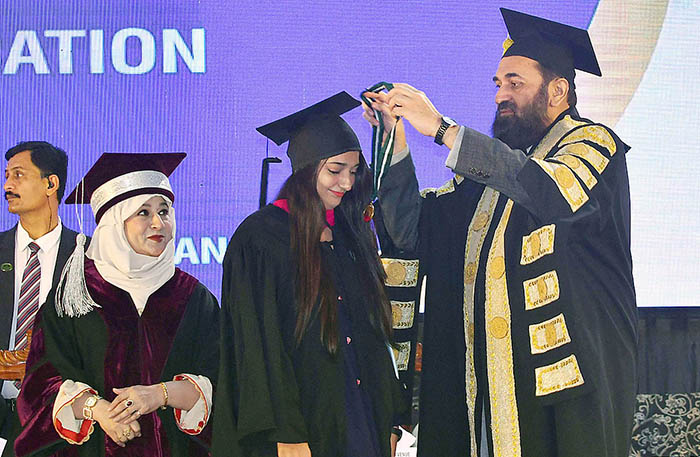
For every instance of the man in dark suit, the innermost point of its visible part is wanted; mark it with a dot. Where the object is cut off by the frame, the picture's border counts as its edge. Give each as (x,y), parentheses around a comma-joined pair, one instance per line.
(32,253)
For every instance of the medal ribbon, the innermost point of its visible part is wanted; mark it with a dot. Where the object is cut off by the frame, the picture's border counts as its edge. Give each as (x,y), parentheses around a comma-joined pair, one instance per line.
(381,153)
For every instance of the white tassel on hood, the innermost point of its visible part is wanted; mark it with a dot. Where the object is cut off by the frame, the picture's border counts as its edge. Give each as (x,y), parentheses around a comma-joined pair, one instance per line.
(72,296)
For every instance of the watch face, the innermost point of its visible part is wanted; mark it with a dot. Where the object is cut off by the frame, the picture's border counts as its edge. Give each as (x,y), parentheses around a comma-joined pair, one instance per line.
(449,120)
(91,401)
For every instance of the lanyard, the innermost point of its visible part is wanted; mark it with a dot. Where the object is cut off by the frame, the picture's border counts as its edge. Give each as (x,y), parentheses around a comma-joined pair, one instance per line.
(381,153)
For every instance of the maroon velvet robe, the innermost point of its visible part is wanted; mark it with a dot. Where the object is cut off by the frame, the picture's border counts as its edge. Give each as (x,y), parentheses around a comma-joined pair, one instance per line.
(113,346)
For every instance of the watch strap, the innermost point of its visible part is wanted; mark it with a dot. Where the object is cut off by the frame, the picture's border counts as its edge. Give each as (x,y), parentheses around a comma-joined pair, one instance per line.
(90,403)
(445,124)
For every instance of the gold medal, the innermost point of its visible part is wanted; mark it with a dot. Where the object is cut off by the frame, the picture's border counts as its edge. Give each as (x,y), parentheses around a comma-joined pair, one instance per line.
(396,273)
(564,177)
(368,213)
(497,267)
(498,328)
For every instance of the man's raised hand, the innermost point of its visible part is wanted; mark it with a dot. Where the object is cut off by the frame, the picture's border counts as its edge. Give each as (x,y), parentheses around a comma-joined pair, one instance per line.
(413,105)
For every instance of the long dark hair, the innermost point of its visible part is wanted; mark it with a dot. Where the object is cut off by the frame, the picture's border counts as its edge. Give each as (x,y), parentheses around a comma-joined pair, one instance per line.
(312,288)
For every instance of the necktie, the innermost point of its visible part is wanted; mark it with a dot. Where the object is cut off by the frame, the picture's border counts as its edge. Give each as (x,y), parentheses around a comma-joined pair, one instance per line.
(28,297)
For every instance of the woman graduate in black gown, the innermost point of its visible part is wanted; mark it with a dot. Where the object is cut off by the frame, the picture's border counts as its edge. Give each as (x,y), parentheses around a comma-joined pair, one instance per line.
(124,354)
(306,363)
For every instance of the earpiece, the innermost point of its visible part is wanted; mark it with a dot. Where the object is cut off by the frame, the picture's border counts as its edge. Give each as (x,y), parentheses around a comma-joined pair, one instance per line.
(50,184)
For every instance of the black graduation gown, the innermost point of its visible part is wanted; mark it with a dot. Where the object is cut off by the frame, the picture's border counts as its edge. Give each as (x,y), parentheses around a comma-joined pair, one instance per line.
(271,390)
(530,315)
(112,346)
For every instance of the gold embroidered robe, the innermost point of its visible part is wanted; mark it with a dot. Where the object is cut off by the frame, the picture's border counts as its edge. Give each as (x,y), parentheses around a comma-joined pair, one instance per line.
(530,315)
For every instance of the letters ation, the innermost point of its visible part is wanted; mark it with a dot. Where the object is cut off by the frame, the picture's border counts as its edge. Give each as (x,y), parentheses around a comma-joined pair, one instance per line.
(132,51)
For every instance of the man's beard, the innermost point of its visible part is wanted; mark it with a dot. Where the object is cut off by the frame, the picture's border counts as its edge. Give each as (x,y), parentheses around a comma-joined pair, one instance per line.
(521,130)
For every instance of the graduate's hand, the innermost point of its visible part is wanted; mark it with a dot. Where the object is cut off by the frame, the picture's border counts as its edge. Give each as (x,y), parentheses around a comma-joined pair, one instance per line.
(293,450)
(135,401)
(388,118)
(119,433)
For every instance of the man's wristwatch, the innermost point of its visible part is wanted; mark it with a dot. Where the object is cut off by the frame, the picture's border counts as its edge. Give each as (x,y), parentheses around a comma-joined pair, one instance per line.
(88,405)
(445,123)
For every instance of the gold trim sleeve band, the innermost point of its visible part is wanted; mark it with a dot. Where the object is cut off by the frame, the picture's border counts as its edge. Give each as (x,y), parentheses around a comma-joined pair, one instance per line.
(400,272)
(558,376)
(402,313)
(538,244)
(548,335)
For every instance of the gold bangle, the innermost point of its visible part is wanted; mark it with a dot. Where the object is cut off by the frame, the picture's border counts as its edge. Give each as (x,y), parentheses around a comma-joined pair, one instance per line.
(165,395)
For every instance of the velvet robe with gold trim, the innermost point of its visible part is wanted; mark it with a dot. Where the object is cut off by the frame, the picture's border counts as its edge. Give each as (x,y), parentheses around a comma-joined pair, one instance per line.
(113,346)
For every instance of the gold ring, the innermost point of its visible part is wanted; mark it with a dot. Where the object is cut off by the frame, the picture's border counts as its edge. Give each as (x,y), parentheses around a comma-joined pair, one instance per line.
(128,403)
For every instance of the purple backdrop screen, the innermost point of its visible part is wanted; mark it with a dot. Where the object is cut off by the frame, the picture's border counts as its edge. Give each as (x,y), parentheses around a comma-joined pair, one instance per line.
(198,77)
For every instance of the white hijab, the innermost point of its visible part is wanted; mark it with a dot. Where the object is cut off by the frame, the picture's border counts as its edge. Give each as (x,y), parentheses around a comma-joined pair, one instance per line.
(140,275)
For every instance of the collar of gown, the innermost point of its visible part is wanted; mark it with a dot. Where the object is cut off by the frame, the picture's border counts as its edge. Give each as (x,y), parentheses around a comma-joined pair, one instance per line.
(284,204)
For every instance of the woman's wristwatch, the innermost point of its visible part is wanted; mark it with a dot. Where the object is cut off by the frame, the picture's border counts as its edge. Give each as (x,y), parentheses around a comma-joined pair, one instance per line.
(88,405)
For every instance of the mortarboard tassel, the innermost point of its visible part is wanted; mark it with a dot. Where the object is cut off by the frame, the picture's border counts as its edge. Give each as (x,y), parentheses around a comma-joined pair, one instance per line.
(72,296)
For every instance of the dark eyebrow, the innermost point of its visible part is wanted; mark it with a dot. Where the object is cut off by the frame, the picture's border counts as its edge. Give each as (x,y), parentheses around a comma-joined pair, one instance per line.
(507,76)
(147,205)
(342,164)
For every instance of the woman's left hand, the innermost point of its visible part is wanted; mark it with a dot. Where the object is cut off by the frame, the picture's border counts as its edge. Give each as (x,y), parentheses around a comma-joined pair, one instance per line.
(135,401)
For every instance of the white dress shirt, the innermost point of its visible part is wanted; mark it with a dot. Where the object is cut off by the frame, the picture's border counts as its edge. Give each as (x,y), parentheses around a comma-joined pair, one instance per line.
(48,252)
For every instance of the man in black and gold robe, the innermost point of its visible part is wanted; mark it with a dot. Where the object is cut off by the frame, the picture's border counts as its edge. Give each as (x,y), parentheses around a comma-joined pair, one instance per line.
(530,315)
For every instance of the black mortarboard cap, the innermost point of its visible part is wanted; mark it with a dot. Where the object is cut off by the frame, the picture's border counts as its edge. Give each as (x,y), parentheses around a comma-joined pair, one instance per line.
(558,47)
(118,176)
(316,132)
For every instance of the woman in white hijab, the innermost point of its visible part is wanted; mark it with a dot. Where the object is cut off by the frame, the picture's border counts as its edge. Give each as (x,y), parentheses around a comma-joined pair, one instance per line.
(123,356)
